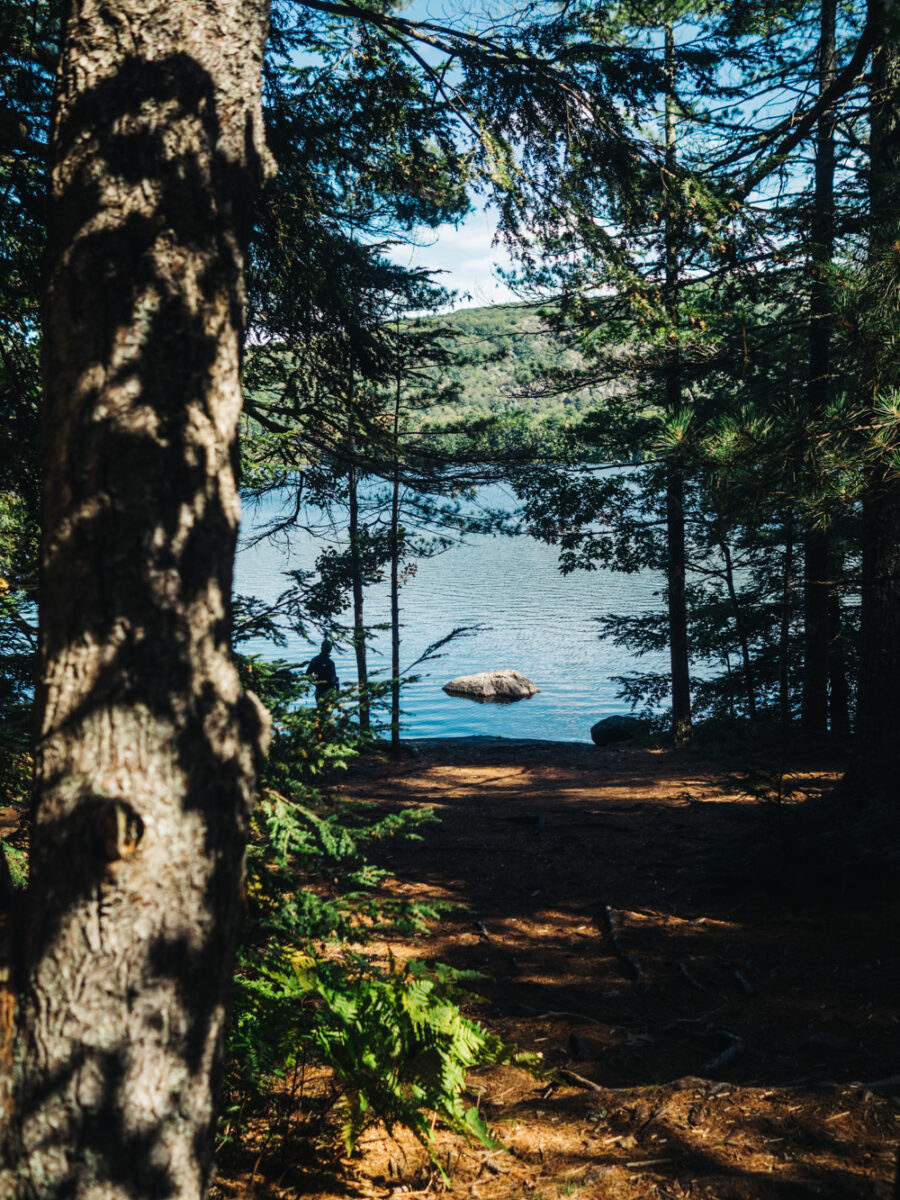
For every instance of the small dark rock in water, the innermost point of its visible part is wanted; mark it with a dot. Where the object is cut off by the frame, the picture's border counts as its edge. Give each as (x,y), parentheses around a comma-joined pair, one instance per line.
(615,729)
(492,685)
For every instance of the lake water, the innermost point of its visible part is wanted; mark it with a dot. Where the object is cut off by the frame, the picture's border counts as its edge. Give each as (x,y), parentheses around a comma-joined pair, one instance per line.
(531,618)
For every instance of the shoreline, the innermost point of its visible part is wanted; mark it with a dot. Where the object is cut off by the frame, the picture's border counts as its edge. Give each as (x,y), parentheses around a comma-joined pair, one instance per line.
(490,738)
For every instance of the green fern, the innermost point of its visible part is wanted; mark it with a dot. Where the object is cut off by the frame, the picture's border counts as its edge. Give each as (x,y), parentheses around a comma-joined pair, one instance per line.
(396,1038)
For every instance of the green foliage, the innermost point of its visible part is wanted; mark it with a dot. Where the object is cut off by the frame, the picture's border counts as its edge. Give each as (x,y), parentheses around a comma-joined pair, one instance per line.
(306,990)
(18,634)
(509,362)
(28,37)
(16,865)
(327,593)
(397,1041)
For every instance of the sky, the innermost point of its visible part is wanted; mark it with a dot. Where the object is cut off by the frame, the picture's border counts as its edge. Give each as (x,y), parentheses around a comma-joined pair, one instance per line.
(462,253)
(466,259)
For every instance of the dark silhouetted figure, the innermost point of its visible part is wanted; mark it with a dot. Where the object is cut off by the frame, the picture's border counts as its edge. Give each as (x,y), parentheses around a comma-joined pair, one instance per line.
(323,671)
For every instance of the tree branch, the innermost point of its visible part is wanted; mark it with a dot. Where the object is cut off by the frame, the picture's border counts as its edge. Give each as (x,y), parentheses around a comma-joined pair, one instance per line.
(800,127)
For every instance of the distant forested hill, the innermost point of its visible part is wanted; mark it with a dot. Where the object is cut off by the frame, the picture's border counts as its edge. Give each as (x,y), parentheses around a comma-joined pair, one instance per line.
(504,362)
(504,354)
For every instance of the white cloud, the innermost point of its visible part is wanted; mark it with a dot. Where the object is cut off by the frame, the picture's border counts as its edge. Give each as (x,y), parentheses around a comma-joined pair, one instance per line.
(467,259)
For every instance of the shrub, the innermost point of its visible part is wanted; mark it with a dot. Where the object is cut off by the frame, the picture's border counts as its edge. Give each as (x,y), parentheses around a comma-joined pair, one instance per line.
(306,990)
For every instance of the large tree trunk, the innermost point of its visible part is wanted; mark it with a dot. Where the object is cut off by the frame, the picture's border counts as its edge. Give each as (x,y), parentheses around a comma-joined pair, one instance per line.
(146,745)
(675,533)
(816,586)
(876,767)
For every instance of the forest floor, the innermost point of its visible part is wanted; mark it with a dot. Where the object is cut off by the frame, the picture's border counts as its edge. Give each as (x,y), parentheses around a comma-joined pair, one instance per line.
(706,1033)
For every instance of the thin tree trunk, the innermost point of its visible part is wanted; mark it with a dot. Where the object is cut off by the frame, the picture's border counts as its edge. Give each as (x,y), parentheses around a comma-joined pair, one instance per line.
(359,622)
(816,587)
(395,579)
(784,637)
(749,690)
(729,674)
(816,635)
(146,745)
(675,531)
(839,693)
(876,766)
(678,635)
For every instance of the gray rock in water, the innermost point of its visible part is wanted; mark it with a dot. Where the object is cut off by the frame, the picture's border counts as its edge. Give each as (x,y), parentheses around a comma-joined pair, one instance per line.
(492,686)
(615,729)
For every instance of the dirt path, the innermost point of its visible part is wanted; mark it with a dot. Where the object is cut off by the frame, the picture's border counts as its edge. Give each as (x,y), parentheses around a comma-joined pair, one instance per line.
(711,1042)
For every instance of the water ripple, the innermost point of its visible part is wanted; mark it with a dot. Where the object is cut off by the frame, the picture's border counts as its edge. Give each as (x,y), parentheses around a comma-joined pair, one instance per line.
(534,620)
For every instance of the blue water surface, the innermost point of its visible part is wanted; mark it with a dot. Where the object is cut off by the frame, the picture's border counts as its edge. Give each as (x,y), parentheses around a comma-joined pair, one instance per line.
(530,618)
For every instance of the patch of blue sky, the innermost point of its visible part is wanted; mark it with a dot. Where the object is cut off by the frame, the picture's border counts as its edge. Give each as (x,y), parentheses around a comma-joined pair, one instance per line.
(476,267)
(468,260)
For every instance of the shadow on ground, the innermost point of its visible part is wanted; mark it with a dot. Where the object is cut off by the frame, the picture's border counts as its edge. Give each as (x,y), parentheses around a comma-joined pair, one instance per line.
(704,1037)
(608,898)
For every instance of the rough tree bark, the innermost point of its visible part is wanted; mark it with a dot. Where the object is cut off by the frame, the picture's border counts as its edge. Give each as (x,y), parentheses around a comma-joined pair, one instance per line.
(146,745)
(816,585)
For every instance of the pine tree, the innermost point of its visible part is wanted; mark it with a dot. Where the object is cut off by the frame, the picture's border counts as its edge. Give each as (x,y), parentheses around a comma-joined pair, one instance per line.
(876,752)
